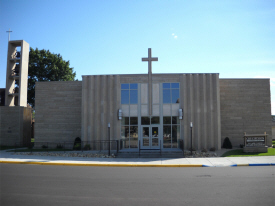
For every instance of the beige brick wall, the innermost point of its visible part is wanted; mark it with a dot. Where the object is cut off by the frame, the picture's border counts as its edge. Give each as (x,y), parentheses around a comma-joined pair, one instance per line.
(245,107)
(15,125)
(57,111)
(273,130)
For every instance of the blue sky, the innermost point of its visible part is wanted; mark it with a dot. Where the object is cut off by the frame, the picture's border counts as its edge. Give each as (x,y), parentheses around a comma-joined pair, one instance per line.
(233,38)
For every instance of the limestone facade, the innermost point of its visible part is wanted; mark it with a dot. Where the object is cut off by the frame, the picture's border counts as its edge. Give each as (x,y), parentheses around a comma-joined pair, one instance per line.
(15,125)
(245,107)
(57,111)
(273,127)
(218,108)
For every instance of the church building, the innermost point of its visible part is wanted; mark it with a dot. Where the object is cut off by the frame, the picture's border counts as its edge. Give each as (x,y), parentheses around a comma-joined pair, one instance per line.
(140,111)
(153,111)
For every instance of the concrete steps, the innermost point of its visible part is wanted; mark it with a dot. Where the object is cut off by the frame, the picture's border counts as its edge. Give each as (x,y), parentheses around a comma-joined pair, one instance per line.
(150,154)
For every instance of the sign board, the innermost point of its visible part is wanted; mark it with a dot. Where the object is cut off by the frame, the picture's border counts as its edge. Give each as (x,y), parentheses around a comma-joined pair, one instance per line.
(255,142)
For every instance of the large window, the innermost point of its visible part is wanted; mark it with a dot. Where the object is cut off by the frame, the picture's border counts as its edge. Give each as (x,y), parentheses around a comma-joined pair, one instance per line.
(129,93)
(129,132)
(149,121)
(171,93)
(171,132)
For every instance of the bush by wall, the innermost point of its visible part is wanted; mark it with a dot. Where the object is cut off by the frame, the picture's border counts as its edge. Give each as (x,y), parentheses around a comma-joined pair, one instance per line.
(227,144)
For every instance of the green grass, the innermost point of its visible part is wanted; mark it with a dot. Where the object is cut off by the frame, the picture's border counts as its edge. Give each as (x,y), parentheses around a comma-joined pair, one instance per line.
(240,153)
(273,142)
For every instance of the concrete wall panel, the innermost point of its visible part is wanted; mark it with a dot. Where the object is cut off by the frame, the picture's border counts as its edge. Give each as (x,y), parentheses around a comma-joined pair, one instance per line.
(105,98)
(201,99)
(245,107)
(15,125)
(58,111)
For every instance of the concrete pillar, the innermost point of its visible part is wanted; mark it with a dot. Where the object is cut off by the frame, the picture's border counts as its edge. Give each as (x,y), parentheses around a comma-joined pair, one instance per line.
(117,99)
(204,113)
(84,110)
(91,105)
(185,110)
(23,61)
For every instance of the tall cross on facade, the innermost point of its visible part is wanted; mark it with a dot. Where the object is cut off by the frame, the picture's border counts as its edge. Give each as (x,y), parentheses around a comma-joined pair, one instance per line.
(150,59)
(9,33)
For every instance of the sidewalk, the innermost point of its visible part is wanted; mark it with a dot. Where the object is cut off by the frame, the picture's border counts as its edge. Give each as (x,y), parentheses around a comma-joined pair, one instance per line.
(8,157)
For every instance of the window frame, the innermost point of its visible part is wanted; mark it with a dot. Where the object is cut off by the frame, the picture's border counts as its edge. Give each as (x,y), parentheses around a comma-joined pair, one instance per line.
(128,123)
(169,92)
(129,90)
(173,123)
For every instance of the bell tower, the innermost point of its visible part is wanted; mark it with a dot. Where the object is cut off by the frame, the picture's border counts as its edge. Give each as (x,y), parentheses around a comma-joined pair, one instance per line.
(17,73)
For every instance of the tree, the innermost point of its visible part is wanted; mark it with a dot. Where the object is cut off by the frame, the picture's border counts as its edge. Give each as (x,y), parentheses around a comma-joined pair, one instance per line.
(46,66)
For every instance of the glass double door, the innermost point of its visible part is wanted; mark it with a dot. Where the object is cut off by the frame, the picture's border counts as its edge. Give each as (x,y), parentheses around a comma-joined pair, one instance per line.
(150,138)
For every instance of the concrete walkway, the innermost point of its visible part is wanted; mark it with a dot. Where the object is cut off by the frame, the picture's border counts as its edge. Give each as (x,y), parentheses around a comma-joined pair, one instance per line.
(8,157)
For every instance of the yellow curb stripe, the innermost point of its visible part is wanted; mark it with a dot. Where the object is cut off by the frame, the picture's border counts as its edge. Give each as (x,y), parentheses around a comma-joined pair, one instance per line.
(242,165)
(103,165)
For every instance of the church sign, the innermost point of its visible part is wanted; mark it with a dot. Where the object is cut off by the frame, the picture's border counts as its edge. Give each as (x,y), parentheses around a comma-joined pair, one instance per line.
(255,142)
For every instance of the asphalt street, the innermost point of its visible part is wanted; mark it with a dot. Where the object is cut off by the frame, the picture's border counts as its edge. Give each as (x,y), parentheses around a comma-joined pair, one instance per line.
(23,184)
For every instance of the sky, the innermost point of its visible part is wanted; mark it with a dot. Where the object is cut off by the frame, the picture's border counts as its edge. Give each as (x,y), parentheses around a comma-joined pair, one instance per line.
(233,38)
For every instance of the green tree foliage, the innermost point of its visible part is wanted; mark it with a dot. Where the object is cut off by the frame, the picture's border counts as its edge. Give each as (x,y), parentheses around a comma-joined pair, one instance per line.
(46,66)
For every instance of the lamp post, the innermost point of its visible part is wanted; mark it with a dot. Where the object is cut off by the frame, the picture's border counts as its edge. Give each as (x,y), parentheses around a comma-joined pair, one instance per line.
(191,127)
(109,125)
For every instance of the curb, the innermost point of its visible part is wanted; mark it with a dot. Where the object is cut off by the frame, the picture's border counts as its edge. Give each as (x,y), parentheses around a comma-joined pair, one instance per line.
(254,164)
(130,165)
(262,164)
(102,164)
(238,165)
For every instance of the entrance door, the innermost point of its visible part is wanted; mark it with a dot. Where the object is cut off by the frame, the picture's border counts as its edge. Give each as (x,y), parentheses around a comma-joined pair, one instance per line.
(150,137)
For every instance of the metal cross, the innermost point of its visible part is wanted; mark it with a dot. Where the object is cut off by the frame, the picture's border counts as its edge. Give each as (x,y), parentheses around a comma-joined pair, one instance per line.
(149,59)
(9,33)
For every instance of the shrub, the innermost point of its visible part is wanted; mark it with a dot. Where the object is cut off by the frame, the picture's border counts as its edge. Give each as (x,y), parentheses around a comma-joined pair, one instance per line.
(87,147)
(212,149)
(227,144)
(31,145)
(204,150)
(77,146)
(193,149)
(44,146)
(59,146)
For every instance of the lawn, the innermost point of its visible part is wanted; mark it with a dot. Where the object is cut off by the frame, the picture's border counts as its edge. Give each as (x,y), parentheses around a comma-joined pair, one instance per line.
(240,153)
